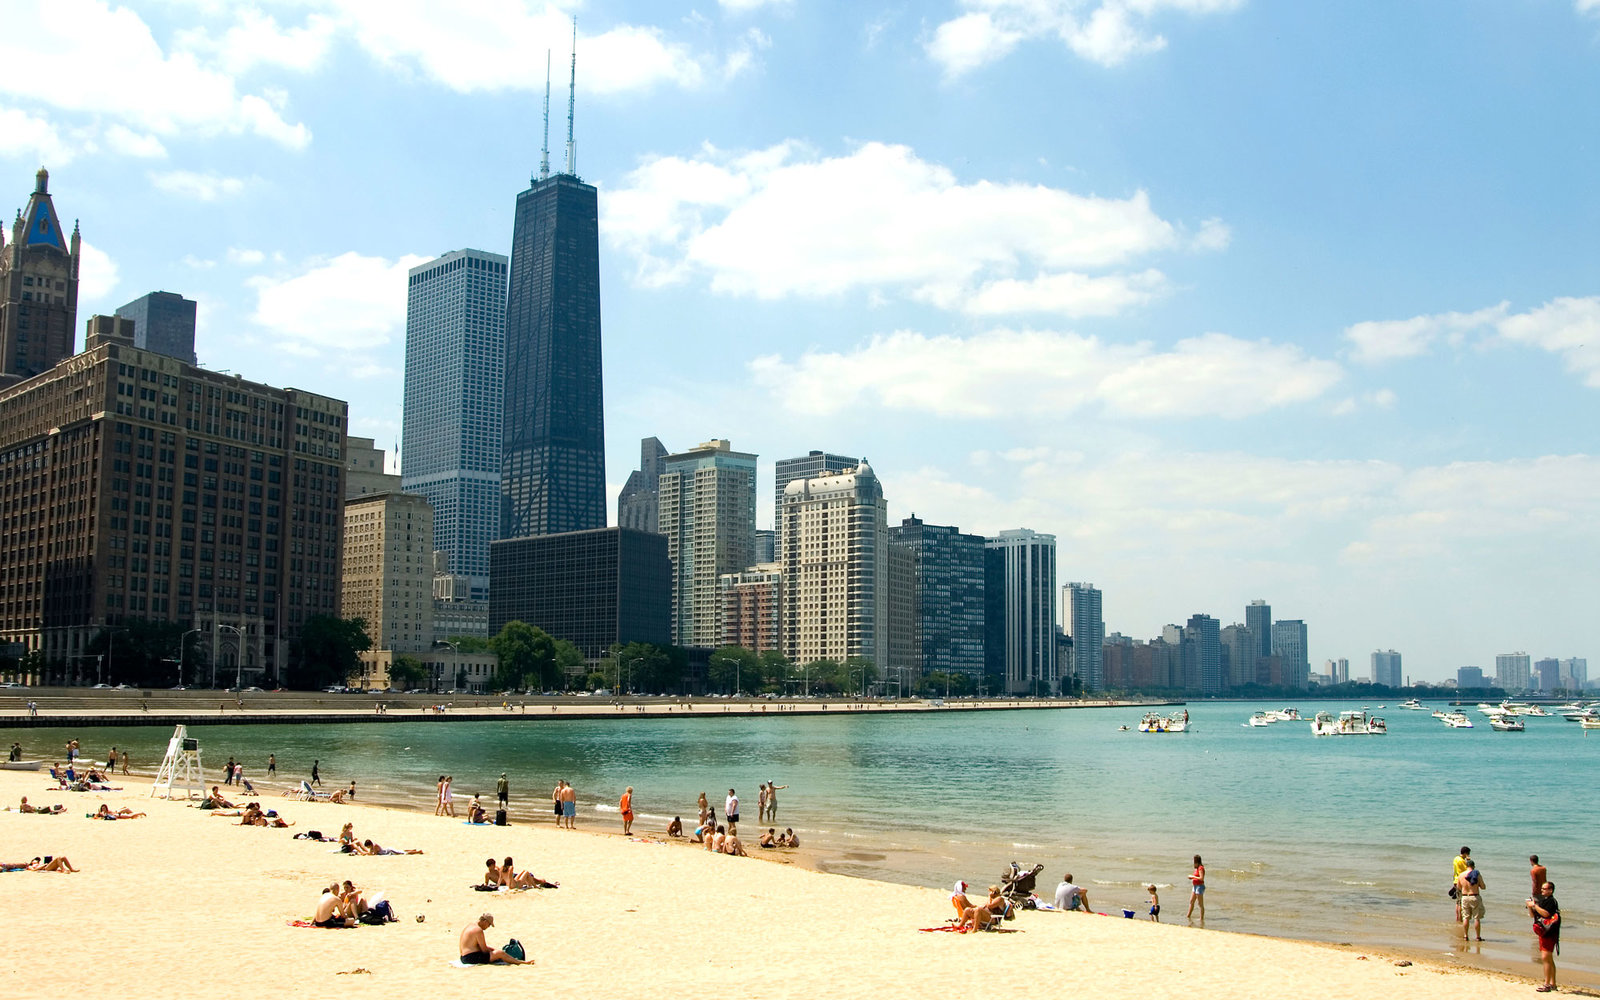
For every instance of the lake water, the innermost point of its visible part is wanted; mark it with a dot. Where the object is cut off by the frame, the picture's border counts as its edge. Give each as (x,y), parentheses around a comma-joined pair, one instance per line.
(1345,839)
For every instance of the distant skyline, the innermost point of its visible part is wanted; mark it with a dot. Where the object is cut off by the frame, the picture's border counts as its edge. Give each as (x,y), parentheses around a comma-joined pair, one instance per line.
(1238,300)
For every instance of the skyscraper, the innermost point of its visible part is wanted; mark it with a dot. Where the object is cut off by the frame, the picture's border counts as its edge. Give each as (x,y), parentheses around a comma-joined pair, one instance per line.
(1203,636)
(946,605)
(1020,591)
(1290,647)
(38,288)
(553,461)
(1512,671)
(708,513)
(812,465)
(1385,668)
(455,357)
(1088,630)
(1258,619)
(835,567)
(163,322)
(636,504)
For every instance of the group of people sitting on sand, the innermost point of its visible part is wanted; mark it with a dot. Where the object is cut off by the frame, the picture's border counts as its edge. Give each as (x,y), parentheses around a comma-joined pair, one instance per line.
(976,917)
(90,779)
(44,864)
(506,874)
(254,815)
(772,838)
(350,845)
(340,905)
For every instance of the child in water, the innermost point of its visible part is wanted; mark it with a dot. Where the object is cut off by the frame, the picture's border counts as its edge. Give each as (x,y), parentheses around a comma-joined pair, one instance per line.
(1155,903)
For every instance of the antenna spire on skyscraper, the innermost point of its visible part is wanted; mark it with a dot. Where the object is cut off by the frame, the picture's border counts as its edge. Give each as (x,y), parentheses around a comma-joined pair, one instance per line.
(544,153)
(572,94)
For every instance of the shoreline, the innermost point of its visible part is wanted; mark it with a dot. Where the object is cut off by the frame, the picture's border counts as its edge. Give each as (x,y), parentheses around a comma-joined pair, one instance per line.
(781,893)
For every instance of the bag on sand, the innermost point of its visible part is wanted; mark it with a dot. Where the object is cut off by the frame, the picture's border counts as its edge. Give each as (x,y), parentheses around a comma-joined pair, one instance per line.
(499,817)
(514,949)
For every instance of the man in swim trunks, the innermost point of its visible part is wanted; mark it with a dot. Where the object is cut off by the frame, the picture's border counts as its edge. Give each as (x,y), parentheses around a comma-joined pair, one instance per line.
(1536,870)
(1470,886)
(474,947)
(555,799)
(772,800)
(625,806)
(1542,907)
(569,805)
(502,788)
(330,912)
(730,808)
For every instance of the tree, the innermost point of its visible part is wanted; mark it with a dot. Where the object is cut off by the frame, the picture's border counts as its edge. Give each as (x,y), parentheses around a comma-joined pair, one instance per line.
(527,657)
(647,667)
(327,652)
(407,672)
(139,652)
(774,668)
(860,674)
(733,668)
(570,662)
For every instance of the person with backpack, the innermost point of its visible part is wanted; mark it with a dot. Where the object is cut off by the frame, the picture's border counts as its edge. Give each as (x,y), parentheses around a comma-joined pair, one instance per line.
(1546,914)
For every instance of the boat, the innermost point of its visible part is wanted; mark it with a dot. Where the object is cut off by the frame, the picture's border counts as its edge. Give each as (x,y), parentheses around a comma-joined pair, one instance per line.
(1457,720)
(1439,713)
(1352,722)
(1155,722)
(1536,710)
(1414,705)
(1507,724)
(1286,714)
(1590,723)
(21,765)
(1262,719)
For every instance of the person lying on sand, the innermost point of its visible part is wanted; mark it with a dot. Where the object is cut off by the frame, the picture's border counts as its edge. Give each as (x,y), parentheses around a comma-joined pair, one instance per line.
(367,847)
(54,810)
(48,864)
(253,816)
(106,812)
(474,947)
(512,879)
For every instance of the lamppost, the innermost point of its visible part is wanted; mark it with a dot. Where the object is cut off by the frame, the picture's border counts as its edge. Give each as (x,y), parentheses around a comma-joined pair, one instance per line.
(105,661)
(455,648)
(238,680)
(862,684)
(631,661)
(183,645)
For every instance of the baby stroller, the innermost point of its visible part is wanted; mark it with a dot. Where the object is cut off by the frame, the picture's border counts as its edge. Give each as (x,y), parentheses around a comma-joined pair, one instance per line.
(1017,885)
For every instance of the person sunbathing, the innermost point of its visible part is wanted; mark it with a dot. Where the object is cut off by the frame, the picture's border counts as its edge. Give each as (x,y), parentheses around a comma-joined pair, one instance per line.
(734,846)
(254,816)
(475,811)
(351,902)
(347,839)
(474,949)
(675,828)
(719,840)
(976,918)
(959,900)
(768,839)
(42,810)
(369,848)
(512,879)
(48,864)
(106,812)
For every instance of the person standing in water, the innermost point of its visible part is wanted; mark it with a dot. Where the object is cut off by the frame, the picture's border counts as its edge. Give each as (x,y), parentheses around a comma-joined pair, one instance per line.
(1197,888)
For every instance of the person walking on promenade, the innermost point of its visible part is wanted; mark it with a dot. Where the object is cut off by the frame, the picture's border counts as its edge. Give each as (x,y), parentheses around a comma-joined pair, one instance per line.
(1536,870)
(1458,865)
(1546,914)
(626,808)
(1470,886)
(1197,888)
(502,790)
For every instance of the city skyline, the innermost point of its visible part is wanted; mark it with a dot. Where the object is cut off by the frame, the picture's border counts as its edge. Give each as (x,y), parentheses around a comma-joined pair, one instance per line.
(1222,335)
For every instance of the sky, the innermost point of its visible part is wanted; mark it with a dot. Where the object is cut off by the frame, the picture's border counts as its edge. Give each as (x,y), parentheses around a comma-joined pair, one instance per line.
(1237,299)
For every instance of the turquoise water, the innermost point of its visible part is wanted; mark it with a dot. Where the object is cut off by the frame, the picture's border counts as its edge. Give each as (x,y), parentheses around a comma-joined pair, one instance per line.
(1334,839)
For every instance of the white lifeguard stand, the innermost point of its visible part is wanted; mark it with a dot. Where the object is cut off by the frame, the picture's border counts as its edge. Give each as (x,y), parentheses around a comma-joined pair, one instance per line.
(180,767)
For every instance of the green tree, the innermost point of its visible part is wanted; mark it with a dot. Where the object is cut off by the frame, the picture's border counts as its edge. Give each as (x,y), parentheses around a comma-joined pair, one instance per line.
(860,675)
(327,651)
(825,676)
(647,667)
(775,670)
(570,663)
(407,672)
(527,657)
(472,643)
(734,668)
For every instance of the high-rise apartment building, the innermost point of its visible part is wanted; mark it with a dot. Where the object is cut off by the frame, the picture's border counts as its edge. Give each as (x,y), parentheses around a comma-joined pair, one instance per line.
(1386,668)
(553,459)
(1258,618)
(1086,623)
(752,608)
(454,390)
(835,566)
(766,545)
(1241,651)
(1020,592)
(388,569)
(708,513)
(812,465)
(1575,673)
(637,504)
(38,288)
(1289,645)
(1203,642)
(1548,673)
(1468,678)
(133,485)
(1513,671)
(163,322)
(946,600)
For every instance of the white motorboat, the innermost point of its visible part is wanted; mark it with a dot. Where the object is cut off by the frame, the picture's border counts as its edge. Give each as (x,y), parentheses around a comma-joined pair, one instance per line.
(1155,722)
(1262,719)
(1286,714)
(1414,705)
(1506,724)
(1590,722)
(1457,720)
(21,765)
(1353,722)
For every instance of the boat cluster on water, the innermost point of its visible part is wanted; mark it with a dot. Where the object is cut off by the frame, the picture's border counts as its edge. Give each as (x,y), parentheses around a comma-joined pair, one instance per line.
(1352,722)
(1271,716)
(1155,722)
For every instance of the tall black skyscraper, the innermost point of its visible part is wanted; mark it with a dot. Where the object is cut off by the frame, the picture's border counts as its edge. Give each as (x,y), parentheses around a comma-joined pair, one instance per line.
(552,471)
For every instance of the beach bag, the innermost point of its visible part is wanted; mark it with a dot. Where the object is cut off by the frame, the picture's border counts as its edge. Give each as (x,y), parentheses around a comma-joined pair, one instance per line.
(381,913)
(499,817)
(515,950)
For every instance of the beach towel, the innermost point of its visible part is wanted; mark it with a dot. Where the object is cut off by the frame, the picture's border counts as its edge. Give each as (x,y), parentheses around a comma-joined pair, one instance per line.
(308,923)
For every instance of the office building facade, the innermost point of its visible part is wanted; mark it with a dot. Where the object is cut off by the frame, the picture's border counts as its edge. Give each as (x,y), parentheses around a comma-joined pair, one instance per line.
(812,465)
(593,588)
(133,485)
(707,510)
(835,567)
(1087,626)
(1289,645)
(1258,619)
(388,569)
(1386,668)
(553,458)
(364,464)
(638,503)
(945,608)
(1020,598)
(163,322)
(1202,655)
(38,288)
(1513,671)
(454,394)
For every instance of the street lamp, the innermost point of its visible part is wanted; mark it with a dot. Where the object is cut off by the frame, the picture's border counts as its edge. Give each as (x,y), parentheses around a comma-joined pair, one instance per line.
(183,645)
(238,680)
(105,661)
(631,661)
(455,647)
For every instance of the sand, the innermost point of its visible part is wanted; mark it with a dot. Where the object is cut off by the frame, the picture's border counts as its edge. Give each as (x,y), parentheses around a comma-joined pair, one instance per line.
(185,904)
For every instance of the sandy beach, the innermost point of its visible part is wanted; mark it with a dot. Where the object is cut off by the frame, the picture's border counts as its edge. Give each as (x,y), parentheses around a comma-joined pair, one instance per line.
(184,903)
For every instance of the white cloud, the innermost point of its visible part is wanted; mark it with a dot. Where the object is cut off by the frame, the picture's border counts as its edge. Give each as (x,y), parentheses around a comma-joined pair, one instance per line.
(126,141)
(255,39)
(1048,374)
(1107,32)
(743,54)
(745,6)
(86,57)
(783,221)
(245,257)
(345,305)
(1569,327)
(27,136)
(1066,294)
(97,273)
(1588,6)
(200,186)
(1377,341)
